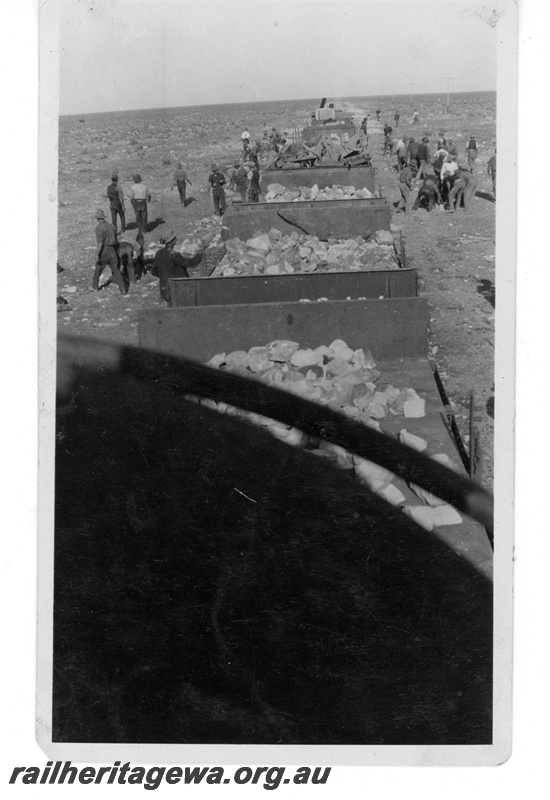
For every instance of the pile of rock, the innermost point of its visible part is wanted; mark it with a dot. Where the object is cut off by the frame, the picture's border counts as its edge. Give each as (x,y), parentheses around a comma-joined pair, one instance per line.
(274,254)
(347,381)
(276,193)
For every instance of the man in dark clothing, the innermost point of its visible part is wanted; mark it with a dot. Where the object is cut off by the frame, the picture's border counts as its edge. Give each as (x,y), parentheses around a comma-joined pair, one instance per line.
(492,171)
(427,194)
(412,149)
(452,149)
(139,197)
(116,202)
(241,182)
(423,157)
(396,118)
(389,144)
(255,187)
(181,180)
(388,130)
(168,264)
(405,180)
(107,254)
(471,151)
(378,112)
(216,180)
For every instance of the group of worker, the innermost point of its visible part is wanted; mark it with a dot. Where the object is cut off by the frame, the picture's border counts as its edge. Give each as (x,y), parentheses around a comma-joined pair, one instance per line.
(444,180)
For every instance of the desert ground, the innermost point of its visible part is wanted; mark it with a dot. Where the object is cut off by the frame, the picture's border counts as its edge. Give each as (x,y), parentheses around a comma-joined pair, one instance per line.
(453,253)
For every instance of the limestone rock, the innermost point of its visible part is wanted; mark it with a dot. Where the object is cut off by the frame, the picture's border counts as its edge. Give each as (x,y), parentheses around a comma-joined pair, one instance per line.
(384,237)
(275,234)
(416,442)
(421,515)
(340,350)
(217,360)
(391,494)
(414,406)
(370,474)
(261,242)
(445,515)
(273,269)
(282,349)
(276,188)
(306,358)
(427,497)
(258,360)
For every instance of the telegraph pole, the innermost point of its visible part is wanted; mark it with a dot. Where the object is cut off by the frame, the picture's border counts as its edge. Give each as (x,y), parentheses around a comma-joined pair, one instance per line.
(448,78)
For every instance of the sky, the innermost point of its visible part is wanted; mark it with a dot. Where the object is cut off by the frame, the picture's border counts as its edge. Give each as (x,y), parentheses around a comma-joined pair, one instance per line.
(130,54)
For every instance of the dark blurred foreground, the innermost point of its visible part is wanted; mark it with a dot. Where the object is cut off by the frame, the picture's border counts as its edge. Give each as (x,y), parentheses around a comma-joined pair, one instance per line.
(213,584)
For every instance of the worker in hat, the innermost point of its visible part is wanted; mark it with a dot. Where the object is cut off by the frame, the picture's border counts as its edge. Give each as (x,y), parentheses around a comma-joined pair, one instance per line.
(216,179)
(116,202)
(181,180)
(107,254)
(170,264)
(139,197)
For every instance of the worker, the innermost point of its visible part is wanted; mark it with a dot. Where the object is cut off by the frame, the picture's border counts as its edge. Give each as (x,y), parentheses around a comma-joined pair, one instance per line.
(139,197)
(116,202)
(106,255)
(217,181)
(470,186)
(387,129)
(423,156)
(232,176)
(364,125)
(471,151)
(428,194)
(255,186)
(452,149)
(456,193)
(245,136)
(449,170)
(241,181)
(130,254)
(405,181)
(492,171)
(181,180)
(412,151)
(416,116)
(396,118)
(402,153)
(389,144)
(169,264)
(378,112)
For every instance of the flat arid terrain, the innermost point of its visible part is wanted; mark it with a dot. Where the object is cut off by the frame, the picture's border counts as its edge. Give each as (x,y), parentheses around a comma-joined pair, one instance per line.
(453,253)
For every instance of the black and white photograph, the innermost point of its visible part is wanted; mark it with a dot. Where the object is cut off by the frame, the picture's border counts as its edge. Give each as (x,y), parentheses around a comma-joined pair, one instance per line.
(277,348)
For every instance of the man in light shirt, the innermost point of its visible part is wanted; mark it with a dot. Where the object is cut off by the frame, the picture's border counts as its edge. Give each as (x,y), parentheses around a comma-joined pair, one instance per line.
(139,196)
(449,170)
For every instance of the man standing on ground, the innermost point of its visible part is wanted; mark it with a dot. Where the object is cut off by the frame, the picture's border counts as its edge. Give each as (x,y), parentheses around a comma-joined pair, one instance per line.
(396,118)
(416,115)
(169,264)
(255,187)
(241,181)
(470,185)
(106,254)
(423,156)
(139,196)
(216,180)
(181,180)
(471,151)
(492,171)
(378,112)
(405,181)
(116,202)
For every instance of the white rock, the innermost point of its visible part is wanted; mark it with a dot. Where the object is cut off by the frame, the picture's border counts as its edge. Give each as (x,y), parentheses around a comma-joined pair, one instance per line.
(217,360)
(414,406)
(373,475)
(416,442)
(445,515)
(421,515)
(340,350)
(306,358)
(261,242)
(392,494)
(427,497)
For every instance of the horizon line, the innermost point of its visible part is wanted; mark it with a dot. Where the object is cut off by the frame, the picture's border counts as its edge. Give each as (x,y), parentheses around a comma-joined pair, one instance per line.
(256,102)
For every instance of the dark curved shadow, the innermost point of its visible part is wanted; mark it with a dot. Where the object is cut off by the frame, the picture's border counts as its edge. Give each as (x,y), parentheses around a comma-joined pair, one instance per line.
(212,583)
(155,224)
